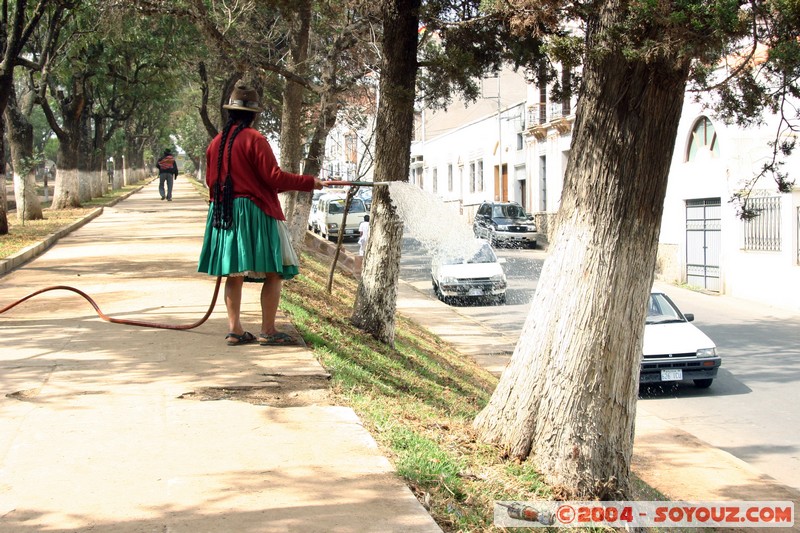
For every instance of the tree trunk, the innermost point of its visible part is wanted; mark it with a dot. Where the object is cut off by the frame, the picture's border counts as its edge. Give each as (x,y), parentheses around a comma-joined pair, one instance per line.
(67,189)
(68,185)
(295,203)
(6,82)
(568,397)
(86,175)
(20,143)
(376,298)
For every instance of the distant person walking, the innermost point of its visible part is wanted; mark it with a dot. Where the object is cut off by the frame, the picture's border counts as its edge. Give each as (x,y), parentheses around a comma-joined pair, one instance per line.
(167,171)
(363,229)
(246,237)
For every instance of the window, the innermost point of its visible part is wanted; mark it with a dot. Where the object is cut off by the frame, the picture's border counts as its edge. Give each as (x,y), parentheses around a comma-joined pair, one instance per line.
(703,141)
(450,177)
(763,233)
(479,175)
(351,148)
(472,177)
(542,103)
(520,142)
(435,179)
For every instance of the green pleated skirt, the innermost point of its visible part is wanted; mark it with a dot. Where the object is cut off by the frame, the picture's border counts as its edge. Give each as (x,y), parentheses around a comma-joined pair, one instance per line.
(255,245)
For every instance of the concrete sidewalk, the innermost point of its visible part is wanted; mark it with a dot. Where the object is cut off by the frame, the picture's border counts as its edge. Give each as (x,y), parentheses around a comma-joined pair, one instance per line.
(104,427)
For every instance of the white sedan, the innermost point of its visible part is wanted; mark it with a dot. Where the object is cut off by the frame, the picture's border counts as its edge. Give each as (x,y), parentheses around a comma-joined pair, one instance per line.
(479,276)
(675,350)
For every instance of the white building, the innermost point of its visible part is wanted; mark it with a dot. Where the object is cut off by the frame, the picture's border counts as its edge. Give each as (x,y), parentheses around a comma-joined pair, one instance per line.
(703,242)
(475,152)
(350,145)
(472,153)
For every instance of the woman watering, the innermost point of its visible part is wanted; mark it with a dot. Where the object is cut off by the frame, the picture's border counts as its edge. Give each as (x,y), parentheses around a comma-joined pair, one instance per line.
(246,238)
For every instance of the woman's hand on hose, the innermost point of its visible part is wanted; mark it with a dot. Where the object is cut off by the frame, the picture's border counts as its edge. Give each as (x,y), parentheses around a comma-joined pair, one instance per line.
(317,183)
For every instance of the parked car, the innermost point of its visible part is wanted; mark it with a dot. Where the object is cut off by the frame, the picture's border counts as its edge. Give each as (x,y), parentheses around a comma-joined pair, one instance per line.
(314,198)
(478,276)
(329,213)
(675,350)
(504,223)
(366,194)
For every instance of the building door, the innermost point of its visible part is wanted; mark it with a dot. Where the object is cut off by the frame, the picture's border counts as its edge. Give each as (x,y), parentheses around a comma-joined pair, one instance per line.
(504,183)
(501,183)
(703,243)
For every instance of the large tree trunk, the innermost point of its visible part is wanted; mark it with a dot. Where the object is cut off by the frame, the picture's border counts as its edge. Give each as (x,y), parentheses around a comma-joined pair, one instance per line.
(568,397)
(20,142)
(376,298)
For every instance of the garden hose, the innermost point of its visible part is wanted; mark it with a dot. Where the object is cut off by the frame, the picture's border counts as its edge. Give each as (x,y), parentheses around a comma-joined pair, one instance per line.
(107,318)
(344,183)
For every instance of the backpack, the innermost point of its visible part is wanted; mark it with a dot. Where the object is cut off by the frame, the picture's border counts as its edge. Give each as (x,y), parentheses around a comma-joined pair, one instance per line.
(166,163)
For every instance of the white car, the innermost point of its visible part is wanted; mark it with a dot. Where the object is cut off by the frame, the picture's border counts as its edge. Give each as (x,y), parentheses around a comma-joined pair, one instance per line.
(675,350)
(478,276)
(311,214)
(327,215)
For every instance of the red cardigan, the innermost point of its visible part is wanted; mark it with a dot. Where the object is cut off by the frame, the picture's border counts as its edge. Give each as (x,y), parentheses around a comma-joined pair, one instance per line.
(255,172)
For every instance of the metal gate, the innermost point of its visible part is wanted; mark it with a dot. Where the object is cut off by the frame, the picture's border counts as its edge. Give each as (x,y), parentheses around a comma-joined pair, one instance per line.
(703,243)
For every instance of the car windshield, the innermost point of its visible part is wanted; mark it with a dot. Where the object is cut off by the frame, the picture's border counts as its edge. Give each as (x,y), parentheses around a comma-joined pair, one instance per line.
(337,206)
(661,310)
(484,255)
(508,211)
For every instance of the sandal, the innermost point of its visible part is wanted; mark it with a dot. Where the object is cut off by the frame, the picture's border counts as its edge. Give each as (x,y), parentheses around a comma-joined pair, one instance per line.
(276,339)
(235,340)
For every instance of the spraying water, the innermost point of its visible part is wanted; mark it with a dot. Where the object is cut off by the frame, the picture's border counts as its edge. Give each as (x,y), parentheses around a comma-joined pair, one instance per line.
(431,222)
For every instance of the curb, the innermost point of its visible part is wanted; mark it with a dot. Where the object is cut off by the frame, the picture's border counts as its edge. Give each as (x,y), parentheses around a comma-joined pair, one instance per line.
(34,250)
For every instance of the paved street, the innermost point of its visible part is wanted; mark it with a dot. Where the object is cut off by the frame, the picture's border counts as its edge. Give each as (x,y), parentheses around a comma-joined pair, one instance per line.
(750,411)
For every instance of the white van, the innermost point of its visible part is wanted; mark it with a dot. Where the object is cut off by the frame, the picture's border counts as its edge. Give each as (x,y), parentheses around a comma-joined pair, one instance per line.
(328,212)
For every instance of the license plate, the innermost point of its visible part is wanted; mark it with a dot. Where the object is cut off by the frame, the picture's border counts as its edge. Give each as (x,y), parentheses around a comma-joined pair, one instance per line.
(475,292)
(672,374)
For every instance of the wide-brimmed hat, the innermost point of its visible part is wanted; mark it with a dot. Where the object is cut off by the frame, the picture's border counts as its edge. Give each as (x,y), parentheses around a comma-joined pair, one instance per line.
(244,98)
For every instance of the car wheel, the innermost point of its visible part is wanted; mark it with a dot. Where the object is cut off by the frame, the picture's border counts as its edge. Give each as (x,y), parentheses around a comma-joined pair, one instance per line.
(501,299)
(702,383)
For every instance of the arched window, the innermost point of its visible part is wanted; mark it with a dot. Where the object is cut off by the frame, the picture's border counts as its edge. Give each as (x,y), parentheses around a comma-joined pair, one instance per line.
(703,141)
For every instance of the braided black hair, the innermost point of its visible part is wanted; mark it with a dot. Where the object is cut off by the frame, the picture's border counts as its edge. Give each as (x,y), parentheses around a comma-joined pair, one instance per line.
(222,191)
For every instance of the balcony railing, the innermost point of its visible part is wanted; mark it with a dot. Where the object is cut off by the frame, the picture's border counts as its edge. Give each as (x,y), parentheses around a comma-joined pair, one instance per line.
(541,117)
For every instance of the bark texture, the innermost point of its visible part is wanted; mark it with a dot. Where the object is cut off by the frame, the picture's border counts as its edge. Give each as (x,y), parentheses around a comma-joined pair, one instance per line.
(376,298)
(296,205)
(20,143)
(568,398)
(68,184)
